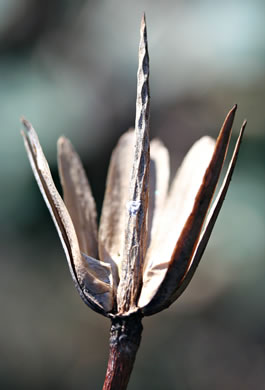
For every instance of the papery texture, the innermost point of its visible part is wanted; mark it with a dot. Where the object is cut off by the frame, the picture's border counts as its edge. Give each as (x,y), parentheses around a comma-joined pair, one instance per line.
(78,197)
(93,291)
(158,189)
(186,243)
(114,210)
(178,207)
(210,221)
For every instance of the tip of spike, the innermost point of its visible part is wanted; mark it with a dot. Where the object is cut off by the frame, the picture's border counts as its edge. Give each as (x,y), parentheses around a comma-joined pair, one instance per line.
(143,19)
(25,122)
(143,24)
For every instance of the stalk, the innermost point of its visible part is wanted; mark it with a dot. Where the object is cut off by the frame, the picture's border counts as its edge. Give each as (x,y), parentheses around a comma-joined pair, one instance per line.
(125,338)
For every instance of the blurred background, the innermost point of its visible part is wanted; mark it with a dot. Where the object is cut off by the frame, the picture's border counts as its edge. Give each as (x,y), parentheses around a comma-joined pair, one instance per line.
(70,68)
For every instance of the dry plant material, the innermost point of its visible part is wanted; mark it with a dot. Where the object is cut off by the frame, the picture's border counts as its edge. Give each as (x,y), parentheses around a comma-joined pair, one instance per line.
(143,264)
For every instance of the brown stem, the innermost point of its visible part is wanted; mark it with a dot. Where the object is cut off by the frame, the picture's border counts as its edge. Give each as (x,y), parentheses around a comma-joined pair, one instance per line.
(125,338)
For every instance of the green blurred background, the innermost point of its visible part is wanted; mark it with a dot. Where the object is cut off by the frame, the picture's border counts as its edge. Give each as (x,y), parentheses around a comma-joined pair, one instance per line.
(70,68)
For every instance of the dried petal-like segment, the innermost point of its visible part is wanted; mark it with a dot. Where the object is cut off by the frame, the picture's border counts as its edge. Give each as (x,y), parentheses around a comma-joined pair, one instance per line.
(135,234)
(78,197)
(158,188)
(98,268)
(210,222)
(95,293)
(112,221)
(186,244)
(103,272)
(178,207)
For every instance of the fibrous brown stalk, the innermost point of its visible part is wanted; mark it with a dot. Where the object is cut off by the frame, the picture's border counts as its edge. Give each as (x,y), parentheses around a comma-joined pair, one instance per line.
(125,337)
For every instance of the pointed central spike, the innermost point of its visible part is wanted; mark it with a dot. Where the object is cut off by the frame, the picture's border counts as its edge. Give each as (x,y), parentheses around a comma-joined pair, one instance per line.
(135,232)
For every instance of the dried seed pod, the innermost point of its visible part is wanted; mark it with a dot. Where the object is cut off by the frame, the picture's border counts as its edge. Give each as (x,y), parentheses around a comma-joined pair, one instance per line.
(150,240)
